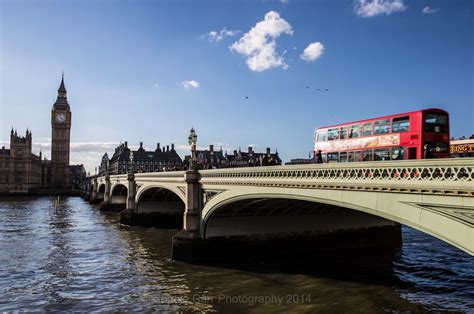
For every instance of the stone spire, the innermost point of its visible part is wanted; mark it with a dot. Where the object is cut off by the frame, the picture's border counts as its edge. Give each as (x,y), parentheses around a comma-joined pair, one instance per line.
(61,101)
(62,88)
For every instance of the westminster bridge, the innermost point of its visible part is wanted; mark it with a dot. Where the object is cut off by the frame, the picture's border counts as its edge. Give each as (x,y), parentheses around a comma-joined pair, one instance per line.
(327,205)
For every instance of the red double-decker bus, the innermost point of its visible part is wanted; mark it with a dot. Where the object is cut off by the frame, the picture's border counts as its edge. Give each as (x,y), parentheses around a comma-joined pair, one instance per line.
(394,137)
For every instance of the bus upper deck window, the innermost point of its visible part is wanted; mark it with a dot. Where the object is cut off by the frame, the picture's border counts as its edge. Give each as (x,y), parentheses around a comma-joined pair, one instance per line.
(401,124)
(355,131)
(382,126)
(343,133)
(333,134)
(322,136)
(436,123)
(367,129)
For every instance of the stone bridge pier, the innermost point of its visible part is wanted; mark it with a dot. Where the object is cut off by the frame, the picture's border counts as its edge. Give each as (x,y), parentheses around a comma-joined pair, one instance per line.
(274,226)
(87,192)
(97,196)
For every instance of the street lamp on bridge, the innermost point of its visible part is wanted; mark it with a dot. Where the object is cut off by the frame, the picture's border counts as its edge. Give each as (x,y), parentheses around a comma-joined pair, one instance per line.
(192,140)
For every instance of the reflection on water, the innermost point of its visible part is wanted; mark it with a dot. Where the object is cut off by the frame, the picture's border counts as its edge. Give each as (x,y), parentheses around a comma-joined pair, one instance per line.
(75,258)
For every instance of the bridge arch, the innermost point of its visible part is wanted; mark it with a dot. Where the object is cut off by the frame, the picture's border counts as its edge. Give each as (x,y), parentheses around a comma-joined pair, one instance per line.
(414,210)
(170,188)
(118,189)
(160,206)
(101,188)
(118,195)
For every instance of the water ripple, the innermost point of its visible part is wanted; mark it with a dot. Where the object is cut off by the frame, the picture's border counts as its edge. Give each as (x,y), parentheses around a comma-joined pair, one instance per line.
(75,258)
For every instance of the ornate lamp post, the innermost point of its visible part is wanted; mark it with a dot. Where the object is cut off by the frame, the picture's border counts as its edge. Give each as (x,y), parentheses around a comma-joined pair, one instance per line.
(192,140)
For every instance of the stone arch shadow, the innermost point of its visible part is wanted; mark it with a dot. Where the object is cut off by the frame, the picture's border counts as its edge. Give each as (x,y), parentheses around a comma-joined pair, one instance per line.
(409,209)
(160,206)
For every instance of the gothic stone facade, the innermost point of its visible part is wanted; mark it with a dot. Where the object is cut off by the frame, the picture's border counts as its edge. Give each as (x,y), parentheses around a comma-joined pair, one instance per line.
(21,171)
(125,160)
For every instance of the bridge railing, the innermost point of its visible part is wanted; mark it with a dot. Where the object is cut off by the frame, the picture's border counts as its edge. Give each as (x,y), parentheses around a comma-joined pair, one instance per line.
(444,176)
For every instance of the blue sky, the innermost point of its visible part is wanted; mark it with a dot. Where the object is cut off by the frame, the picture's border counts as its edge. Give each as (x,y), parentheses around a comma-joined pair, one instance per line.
(149,70)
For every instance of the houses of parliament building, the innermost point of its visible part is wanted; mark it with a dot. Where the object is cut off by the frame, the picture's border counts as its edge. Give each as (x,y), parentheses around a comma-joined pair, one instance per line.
(22,171)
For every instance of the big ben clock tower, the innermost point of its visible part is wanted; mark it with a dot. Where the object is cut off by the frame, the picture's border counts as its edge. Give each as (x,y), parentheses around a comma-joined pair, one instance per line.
(60,139)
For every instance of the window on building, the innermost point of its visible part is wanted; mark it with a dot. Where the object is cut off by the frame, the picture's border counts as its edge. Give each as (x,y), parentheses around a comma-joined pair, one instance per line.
(367,129)
(401,124)
(382,126)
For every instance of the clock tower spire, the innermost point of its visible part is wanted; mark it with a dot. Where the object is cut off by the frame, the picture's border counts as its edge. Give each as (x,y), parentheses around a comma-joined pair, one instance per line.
(60,139)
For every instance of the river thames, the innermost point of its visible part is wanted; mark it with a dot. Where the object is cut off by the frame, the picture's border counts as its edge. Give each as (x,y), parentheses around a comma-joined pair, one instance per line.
(75,258)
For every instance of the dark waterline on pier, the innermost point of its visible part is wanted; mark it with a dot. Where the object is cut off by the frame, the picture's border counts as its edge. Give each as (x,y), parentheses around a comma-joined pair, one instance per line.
(75,258)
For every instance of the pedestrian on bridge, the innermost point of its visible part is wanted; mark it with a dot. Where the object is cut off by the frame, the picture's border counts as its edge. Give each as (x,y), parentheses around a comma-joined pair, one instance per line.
(319,157)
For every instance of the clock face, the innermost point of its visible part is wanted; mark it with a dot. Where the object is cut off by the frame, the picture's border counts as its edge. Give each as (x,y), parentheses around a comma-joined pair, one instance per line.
(60,117)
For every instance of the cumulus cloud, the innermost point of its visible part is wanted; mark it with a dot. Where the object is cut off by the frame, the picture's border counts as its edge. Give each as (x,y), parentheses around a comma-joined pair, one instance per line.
(369,8)
(188,84)
(217,36)
(259,44)
(312,52)
(428,10)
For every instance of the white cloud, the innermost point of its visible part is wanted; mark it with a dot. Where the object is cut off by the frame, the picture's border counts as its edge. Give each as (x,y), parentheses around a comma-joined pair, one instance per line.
(258,45)
(285,1)
(188,84)
(217,36)
(369,8)
(428,10)
(312,52)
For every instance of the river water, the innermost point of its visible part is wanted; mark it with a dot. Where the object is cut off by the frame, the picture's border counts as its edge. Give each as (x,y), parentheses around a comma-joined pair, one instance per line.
(75,258)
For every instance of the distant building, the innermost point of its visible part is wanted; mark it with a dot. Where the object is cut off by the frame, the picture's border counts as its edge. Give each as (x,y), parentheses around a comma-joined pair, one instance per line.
(77,175)
(209,159)
(462,147)
(125,160)
(253,159)
(103,165)
(21,171)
